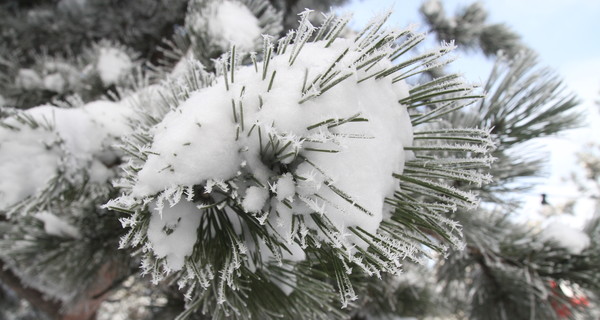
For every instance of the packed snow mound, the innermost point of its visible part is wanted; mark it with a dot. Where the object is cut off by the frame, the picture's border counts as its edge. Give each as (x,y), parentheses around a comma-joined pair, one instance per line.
(44,142)
(342,146)
(300,152)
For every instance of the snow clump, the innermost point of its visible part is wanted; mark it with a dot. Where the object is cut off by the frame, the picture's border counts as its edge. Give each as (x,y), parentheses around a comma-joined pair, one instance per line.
(218,25)
(112,65)
(56,226)
(233,23)
(28,79)
(334,154)
(46,142)
(574,240)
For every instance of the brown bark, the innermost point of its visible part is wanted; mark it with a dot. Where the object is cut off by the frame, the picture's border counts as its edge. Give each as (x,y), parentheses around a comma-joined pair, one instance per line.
(34,297)
(84,308)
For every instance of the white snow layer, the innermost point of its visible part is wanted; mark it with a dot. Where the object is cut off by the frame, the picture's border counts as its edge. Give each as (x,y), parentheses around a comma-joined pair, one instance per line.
(197,141)
(232,23)
(68,140)
(574,240)
(112,65)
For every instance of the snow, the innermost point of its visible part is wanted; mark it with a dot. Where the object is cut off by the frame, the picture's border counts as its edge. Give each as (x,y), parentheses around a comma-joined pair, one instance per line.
(67,140)
(112,65)
(86,131)
(60,76)
(56,226)
(192,145)
(28,79)
(574,240)
(172,232)
(209,137)
(184,64)
(28,159)
(54,82)
(255,199)
(285,187)
(231,23)
(432,7)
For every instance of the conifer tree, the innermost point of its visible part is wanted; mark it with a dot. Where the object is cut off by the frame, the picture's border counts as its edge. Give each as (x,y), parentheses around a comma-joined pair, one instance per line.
(213,163)
(470,29)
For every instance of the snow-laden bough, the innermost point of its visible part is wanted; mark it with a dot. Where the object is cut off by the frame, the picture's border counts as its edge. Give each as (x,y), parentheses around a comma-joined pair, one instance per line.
(48,150)
(320,151)
(216,25)
(56,164)
(212,27)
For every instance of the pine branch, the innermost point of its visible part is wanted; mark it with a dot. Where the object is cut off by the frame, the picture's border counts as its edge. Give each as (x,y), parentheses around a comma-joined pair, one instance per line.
(513,268)
(471,30)
(72,26)
(523,102)
(281,202)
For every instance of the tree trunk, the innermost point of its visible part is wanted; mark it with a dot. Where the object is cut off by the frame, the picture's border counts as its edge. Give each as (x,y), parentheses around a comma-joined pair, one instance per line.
(85,308)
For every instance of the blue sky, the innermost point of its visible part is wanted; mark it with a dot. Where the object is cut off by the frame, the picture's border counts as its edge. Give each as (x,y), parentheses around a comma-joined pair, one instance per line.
(563,32)
(566,36)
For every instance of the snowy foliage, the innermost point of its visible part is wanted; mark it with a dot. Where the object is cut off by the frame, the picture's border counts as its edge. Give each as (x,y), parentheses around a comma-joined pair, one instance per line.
(56,165)
(470,29)
(47,150)
(304,155)
(213,27)
(112,65)
(55,226)
(229,23)
(69,26)
(88,77)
